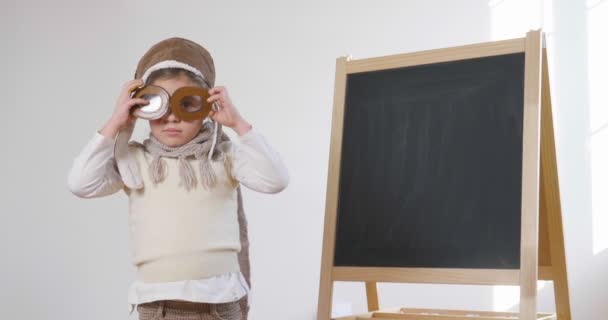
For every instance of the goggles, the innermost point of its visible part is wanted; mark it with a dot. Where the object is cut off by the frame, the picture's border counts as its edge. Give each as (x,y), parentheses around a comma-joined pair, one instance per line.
(187,103)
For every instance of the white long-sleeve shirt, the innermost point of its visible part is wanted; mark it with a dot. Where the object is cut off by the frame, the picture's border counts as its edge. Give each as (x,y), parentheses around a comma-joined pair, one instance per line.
(256,165)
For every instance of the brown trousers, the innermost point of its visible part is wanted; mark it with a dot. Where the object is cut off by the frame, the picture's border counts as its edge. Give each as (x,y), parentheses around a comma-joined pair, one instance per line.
(169,310)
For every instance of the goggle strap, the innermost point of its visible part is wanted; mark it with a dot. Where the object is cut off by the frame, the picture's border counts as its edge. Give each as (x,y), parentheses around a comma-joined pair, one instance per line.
(214,142)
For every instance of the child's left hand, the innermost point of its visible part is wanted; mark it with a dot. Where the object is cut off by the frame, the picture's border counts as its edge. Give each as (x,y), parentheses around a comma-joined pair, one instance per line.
(227,115)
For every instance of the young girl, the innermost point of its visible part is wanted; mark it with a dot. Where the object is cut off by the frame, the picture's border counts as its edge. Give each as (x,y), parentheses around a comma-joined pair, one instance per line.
(188,231)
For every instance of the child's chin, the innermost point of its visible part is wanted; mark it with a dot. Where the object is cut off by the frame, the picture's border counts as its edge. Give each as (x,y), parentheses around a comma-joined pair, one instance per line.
(173,141)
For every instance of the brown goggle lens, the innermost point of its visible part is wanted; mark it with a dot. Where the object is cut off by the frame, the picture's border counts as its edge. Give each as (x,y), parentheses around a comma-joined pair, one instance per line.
(192,103)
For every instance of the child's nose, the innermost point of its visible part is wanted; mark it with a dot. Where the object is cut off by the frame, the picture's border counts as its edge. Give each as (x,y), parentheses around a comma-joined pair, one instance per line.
(171,117)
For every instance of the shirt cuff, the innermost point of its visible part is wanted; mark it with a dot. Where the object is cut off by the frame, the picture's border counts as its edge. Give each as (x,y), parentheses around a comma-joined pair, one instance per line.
(251,135)
(100,139)
(101,143)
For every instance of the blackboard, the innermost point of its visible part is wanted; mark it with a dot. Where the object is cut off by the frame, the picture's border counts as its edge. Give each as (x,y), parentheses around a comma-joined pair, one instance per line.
(430,166)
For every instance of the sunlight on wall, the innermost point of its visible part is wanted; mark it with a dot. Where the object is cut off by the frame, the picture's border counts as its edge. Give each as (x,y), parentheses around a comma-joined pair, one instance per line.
(507,297)
(513,18)
(597,26)
(599,187)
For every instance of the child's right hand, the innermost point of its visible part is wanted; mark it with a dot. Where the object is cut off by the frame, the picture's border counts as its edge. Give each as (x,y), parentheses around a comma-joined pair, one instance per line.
(122,117)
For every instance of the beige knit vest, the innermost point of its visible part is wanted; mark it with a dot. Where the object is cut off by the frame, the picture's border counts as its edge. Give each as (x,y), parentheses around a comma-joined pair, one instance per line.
(182,235)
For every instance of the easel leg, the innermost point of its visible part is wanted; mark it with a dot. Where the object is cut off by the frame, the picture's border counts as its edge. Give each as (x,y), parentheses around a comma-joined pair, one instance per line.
(551,201)
(325,299)
(528,274)
(371,291)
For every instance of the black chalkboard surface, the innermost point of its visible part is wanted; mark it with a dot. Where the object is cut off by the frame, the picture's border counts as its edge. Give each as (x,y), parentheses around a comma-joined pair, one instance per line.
(430,168)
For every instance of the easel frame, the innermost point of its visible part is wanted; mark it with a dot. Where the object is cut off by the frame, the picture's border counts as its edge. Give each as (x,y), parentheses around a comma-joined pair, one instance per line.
(542,242)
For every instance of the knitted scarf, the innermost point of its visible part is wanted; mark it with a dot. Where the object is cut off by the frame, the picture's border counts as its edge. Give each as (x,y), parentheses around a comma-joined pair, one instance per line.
(199,147)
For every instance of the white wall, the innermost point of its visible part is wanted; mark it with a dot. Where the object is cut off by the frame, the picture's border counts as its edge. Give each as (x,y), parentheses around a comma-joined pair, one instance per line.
(580,93)
(66,258)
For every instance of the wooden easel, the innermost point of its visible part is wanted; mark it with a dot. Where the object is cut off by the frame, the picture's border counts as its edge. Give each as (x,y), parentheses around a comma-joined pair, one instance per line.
(542,242)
